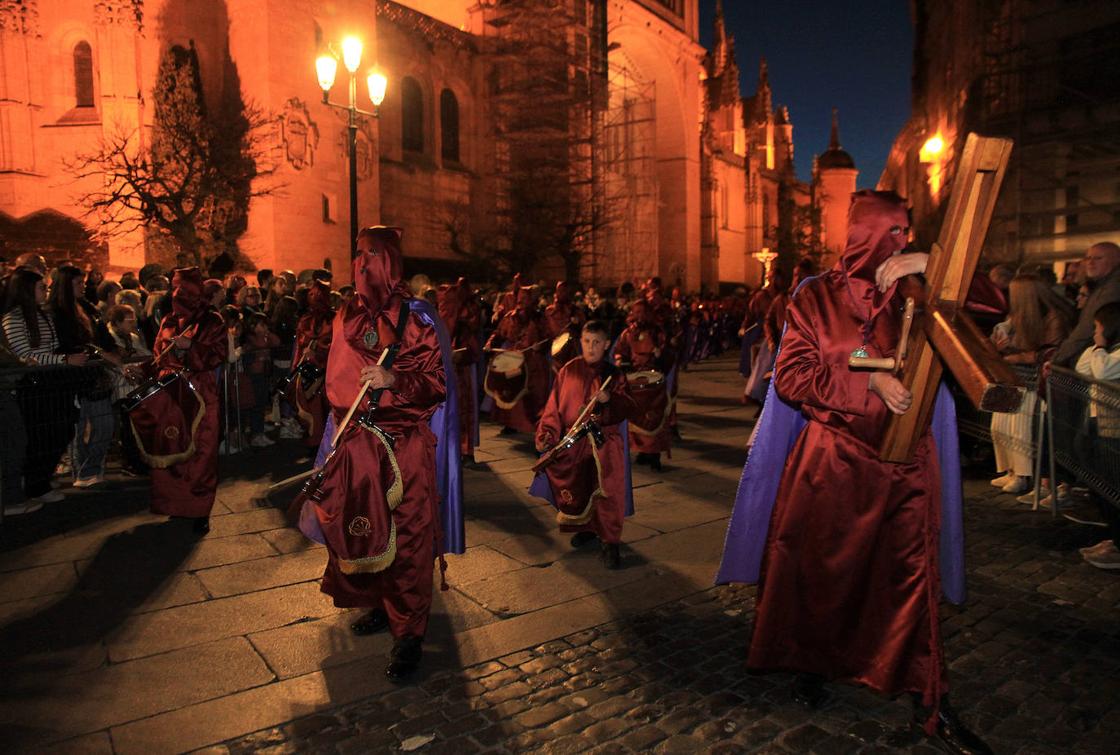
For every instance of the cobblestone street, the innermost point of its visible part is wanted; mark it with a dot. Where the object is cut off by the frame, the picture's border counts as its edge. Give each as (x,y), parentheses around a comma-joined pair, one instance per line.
(123,634)
(1034,658)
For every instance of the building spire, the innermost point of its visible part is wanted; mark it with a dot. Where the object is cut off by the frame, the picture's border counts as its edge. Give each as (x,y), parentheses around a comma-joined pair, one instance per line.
(763,100)
(834,142)
(721,42)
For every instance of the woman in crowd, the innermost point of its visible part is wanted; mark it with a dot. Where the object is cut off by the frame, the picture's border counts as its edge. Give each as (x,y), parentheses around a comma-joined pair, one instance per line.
(48,412)
(1038,320)
(95,414)
(249,300)
(106,296)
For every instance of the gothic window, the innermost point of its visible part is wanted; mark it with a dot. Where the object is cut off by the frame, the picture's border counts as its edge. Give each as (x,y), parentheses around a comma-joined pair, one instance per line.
(412,116)
(83,75)
(449,126)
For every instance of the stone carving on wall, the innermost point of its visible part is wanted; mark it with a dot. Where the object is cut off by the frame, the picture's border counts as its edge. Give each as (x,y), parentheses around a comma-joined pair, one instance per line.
(123,12)
(298,134)
(20,16)
(366,157)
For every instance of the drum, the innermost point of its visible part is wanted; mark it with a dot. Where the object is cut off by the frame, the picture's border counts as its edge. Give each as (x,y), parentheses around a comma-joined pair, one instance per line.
(135,398)
(645,378)
(165,415)
(508,363)
(559,343)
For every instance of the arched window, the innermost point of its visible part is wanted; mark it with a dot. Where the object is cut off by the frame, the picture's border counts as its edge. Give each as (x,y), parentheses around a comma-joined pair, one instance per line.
(412,116)
(449,126)
(83,75)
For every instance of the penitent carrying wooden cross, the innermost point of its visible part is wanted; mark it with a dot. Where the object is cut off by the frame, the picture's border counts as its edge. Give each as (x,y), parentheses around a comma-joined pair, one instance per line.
(944,335)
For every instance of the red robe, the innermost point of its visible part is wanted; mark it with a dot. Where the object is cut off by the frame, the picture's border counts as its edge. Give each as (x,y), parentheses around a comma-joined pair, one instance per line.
(523,402)
(850,577)
(313,343)
(577,470)
(457,310)
(188,488)
(642,347)
(404,587)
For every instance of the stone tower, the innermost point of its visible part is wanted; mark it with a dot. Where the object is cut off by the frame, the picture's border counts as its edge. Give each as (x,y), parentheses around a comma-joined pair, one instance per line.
(835,182)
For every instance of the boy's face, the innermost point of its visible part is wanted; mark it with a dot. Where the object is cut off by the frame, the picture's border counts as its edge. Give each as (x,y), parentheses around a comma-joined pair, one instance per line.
(1098,335)
(594,346)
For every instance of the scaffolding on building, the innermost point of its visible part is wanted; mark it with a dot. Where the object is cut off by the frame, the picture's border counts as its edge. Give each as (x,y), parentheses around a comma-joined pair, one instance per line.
(573,168)
(1045,83)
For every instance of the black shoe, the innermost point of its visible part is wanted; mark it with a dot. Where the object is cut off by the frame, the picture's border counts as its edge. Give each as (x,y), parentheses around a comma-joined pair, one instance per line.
(507,431)
(373,622)
(581,539)
(809,691)
(951,732)
(404,658)
(201,525)
(611,555)
(642,458)
(655,462)
(676,431)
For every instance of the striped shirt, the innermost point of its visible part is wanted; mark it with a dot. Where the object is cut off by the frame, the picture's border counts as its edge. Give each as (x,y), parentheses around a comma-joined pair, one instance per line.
(15,331)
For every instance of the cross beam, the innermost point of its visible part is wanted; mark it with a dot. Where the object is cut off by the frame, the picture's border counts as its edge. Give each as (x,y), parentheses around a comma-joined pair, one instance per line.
(946,336)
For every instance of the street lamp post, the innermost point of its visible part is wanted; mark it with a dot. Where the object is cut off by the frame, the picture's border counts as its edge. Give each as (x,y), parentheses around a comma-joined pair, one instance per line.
(326,67)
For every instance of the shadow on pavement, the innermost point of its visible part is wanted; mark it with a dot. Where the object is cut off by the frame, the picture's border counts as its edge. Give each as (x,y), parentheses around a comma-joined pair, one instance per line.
(121,576)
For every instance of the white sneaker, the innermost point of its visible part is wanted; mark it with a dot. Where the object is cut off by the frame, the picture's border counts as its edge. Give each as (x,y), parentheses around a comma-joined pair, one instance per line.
(261,441)
(89,482)
(52,497)
(1104,546)
(1002,480)
(1017,484)
(18,509)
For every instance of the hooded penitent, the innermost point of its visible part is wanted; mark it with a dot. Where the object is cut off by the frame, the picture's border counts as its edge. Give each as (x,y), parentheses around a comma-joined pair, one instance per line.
(878,224)
(187,300)
(856,550)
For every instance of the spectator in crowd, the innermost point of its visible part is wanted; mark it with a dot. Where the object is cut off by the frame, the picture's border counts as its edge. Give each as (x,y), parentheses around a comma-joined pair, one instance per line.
(129,298)
(234,284)
(94,278)
(1082,296)
(33,261)
(1101,361)
(156,306)
(1001,276)
(257,344)
(13,441)
(283,323)
(1038,321)
(106,296)
(1102,269)
(264,275)
(47,414)
(277,288)
(95,412)
(249,300)
(129,281)
(214,292)
(122,338)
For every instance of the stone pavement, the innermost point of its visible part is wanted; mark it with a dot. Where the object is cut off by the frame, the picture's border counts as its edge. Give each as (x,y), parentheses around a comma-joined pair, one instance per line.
(121,633)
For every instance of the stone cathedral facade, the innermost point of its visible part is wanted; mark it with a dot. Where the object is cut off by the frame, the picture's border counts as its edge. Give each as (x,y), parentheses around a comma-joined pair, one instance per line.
(689,180)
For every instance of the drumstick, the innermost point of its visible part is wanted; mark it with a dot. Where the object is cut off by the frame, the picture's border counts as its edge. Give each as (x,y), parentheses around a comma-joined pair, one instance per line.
(354,407)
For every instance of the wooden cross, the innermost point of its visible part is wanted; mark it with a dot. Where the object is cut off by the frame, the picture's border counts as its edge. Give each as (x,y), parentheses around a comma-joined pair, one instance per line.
(945,336)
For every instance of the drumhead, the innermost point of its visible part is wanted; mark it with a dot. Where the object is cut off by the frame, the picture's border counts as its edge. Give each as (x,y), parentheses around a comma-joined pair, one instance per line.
(645,377)
(560,342)
(147,390)
(508,362)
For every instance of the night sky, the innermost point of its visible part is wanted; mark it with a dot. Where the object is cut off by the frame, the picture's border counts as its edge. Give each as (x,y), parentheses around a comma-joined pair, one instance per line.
(823,53)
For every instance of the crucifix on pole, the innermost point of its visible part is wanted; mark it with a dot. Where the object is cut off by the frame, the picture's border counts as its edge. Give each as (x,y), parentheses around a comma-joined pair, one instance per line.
(944,335)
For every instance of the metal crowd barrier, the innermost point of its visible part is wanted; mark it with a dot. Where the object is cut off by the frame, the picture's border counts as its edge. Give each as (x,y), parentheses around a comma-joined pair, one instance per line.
(39,409)
(229,377)
(1083,430)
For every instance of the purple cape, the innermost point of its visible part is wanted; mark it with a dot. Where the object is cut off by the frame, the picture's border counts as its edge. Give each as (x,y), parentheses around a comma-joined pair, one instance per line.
(779,426)
(445,426)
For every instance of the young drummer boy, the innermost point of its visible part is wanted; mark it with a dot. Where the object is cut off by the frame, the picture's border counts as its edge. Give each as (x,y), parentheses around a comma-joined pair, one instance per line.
(589,481)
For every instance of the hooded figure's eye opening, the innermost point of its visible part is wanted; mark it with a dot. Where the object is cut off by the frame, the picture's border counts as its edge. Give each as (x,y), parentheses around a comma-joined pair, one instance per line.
(897,230)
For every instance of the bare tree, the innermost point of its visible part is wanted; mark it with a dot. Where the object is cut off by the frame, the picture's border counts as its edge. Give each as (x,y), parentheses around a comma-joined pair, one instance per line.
(192,185)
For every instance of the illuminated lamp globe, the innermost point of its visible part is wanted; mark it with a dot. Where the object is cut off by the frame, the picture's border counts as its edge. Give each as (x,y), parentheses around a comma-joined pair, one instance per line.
(326,66)
(377,84)
(352,53)
(931,149)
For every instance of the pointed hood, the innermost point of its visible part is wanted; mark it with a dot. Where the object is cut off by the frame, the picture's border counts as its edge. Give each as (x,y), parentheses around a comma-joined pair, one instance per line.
(319,299)
(187,300)
(878,228)
(450,301)
(378,272)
